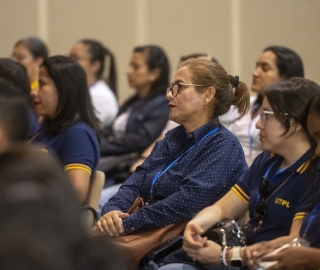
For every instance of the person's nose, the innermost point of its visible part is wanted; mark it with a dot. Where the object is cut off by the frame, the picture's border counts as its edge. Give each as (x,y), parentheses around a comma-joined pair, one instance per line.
(259,124)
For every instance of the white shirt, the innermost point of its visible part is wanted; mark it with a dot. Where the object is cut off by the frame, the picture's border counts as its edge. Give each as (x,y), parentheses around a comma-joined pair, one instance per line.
(104,102)
(245,130)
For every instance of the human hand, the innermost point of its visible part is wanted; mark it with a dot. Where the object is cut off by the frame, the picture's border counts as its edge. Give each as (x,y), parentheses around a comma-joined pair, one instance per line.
(253,253)
(192,236)
(290,258)
(111,223)
(208,254)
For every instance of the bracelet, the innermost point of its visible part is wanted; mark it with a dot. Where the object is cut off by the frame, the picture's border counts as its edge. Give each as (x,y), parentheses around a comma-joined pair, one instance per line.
(223,254)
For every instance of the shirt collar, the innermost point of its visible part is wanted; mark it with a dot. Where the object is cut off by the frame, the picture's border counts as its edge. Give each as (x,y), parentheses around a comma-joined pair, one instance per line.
(181,134)
(299,166)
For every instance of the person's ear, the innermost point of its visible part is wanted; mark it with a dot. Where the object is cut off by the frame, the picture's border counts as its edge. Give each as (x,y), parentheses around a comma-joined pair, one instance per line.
(154,74)
(209,94)
(294,126)
(95,66)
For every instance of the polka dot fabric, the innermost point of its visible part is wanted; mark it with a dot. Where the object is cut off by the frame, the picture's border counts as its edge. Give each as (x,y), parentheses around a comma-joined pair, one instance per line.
(198,179)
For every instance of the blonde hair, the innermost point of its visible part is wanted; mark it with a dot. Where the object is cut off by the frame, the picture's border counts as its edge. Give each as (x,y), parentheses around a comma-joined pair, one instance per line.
(207,73)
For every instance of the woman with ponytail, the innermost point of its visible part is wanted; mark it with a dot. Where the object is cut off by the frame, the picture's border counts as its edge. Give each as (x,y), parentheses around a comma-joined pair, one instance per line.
(195,164)
(93,56)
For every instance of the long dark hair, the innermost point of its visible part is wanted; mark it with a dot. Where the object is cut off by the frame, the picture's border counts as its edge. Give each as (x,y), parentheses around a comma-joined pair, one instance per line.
(74,99)
(314,174)
(289,64)
(155,58)
(99,53)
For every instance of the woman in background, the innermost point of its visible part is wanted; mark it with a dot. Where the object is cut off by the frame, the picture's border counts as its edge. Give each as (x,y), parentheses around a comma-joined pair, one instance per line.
(30,52)
(143,116)
(274,64)
(93,57)
(70,128)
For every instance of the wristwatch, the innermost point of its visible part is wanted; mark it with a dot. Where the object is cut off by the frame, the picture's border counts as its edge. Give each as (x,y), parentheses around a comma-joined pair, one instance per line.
(236,260)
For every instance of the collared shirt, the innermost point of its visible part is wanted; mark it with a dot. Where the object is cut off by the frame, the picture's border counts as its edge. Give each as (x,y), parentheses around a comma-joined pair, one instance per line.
(198,179)
(77,146)
(288,203)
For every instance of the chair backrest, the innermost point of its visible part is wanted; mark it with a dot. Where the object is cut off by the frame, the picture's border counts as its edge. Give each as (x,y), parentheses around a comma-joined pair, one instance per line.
(95,188)
(93,198)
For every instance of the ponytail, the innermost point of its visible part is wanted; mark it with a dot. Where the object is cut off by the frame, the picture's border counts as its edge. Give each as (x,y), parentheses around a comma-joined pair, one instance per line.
(241,98)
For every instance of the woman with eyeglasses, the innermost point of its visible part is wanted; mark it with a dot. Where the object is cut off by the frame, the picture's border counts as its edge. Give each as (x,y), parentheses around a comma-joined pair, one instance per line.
(272,189)
(303,253)
(195,164)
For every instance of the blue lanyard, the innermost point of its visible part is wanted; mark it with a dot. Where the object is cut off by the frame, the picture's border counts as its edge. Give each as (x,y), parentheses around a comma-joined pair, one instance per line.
(311,218)
(160,173)
(250,135)
(272,178)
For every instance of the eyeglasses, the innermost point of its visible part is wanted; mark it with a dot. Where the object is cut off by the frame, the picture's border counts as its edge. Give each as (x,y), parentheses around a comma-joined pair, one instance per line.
(264,190)
(176,87)
(263,116)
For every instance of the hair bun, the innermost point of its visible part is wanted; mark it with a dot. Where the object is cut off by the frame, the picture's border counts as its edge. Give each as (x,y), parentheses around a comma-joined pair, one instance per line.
(234,81)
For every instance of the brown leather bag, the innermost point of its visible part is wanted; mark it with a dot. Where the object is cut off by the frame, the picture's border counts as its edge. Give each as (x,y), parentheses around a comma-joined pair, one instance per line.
(138,245)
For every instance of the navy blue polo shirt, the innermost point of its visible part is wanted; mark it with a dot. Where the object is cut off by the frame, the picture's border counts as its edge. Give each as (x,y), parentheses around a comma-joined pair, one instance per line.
(286,204)
(310,227)
(77,146)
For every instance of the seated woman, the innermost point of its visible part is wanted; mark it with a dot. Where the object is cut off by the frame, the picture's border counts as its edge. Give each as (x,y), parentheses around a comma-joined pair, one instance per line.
(142,117)
(40,226)
(70,128)
(271,189)
(92,56)
(275,63)
(30,52)
(304,257)
(195,164)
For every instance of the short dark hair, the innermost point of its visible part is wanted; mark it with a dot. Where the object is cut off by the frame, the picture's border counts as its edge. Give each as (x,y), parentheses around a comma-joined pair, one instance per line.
(289,63)
(156,58)
(14,112)
(74,99)
(99,53)
(291,97)
(17,75)
(36,47)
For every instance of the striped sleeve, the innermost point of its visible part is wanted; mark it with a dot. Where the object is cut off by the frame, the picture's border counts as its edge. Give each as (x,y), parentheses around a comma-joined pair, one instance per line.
(240,193)
(299,215)
(77,166)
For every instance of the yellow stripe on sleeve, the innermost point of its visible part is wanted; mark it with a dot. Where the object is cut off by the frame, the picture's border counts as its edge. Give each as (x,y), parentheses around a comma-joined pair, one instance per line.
(240,193)
(299,215)
(77,166)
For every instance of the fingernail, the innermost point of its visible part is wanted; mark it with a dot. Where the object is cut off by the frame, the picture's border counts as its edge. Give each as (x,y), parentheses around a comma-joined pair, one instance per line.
(121,231)
(111,234)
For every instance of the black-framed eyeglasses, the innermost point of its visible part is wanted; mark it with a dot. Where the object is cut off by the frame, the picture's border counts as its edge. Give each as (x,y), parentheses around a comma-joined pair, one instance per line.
(264,191)
(175,88)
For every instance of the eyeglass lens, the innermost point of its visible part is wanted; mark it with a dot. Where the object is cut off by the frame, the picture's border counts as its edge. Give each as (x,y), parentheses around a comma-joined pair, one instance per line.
(262,118)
